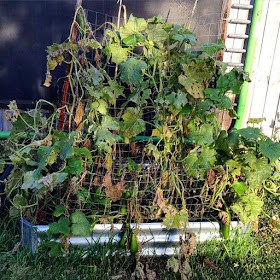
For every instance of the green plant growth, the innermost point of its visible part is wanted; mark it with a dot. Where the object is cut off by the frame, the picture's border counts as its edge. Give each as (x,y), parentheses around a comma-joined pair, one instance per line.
(80,176)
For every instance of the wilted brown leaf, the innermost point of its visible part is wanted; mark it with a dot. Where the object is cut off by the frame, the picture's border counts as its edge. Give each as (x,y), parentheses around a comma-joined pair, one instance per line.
(164,179)
(134,149)
(224,218)
(210,264)
(48,80)
(189,244)
(107,182)
(150,274)
(211,177)
(16,247)
(97,59)
(96,181)
(159,199)
(79,113)
(87,143)
(115,191)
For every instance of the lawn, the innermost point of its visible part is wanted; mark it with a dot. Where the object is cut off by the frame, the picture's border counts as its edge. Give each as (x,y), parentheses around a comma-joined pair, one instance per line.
(256,256)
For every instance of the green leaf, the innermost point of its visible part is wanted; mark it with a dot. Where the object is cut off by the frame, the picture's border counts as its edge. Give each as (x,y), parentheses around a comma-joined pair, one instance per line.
(240,187)
(270,149)
(80,225)
(196,77)
(153,150)
(260,171)
(157,35)
(132,71)
(83,151)
(231,81)
(133,26)
(249,132)
(133,166)
(56,248)
(64,144)
(19,201)
(101,106)
(188,38)
(212,48)
(133,123)
(110,123)
(59,210)
(104,139)
(134,39)
(75,166)
(62,226)
(201,134)
(30,180)
(116,88)
(119,54)
(178,100)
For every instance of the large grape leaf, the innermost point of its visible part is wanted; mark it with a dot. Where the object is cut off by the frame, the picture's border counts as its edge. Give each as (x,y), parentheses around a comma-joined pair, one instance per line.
(196,77)
(119,54)
(80,225)
(157,35)
(201,134)
(270,149)
(62,226)
(64,143)
(132,71)
(249,132)
(248,208)
(212,48)
(133,26)
(132,123)
(260,171)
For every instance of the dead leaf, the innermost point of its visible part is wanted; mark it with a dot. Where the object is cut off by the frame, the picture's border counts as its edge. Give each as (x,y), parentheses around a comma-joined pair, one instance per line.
(140,274)
(189,244)
(150,274)
(219,204)
(87,144)
(274,223)
(115,191)
(210,264)
(16,247)
(211,177)
(159,199)
(224,218)
(173,264)
(186,271)
(134,149)
(48,79)
(64,241)
(107,181)
(117,277)
(103,220)
(167,132)
(131,87)
(96,181)
(79,113)
(97,59)
(164,179)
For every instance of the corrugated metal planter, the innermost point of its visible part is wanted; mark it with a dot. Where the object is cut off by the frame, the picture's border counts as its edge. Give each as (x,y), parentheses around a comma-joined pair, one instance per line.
(154,238)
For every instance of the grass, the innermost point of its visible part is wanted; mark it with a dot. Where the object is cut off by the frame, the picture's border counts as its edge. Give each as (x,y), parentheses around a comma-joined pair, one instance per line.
(251,257)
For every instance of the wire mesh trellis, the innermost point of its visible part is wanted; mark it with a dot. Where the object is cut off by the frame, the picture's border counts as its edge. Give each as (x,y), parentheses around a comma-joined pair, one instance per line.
(134,172)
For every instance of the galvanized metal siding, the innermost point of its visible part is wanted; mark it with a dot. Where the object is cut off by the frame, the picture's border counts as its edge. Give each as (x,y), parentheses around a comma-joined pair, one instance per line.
(264,91)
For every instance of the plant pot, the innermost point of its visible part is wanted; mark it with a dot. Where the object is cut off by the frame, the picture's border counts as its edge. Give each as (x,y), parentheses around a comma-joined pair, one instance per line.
(154,238)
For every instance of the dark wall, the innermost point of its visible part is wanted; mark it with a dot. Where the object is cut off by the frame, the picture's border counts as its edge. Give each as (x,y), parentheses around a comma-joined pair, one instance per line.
(27,27)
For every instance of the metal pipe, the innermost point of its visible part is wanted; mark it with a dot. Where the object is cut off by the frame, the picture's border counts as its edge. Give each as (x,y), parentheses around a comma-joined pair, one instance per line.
(251,51)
